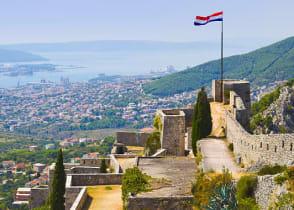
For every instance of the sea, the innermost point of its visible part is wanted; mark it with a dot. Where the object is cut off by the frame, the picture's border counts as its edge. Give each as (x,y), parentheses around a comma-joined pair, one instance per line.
(82,66)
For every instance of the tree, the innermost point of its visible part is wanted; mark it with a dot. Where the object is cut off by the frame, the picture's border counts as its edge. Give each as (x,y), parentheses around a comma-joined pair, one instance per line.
(103,166)
(202,121)
(57,199)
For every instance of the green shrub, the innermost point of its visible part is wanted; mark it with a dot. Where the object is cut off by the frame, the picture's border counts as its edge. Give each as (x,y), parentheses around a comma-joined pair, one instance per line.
(198,158)
(227,96)
(246,186)
(205,184)
(271,170)
(135,181)
(231,147)
(248,204)
(280,179)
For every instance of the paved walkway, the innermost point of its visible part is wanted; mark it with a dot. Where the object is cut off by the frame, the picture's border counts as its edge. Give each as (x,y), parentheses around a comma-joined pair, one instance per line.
(216,155)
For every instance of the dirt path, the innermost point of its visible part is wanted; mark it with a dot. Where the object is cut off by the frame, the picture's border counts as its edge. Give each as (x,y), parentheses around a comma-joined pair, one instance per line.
(104,198)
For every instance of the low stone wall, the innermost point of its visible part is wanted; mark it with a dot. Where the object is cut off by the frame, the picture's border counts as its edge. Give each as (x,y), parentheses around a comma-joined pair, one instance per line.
(268,149)
(80,200)
(39,196)
(267,190)
(71,194)
(84,170)
(131,138)
(95,179)
(161,203)
(96,162)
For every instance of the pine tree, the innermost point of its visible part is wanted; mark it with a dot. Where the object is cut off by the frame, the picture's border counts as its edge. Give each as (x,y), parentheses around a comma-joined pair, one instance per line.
(57,199)
(103,167)
(202,121)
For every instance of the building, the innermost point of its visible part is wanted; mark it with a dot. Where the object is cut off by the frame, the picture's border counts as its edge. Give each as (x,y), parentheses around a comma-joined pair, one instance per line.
(22,194)
(33,148)
(49,146)
(91,155)
(8,163)
(39,167)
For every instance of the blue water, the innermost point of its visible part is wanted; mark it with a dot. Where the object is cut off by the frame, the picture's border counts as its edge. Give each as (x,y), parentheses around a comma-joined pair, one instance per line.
(111,63)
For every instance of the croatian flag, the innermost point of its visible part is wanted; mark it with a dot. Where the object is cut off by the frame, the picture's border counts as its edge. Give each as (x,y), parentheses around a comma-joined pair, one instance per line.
(211,18)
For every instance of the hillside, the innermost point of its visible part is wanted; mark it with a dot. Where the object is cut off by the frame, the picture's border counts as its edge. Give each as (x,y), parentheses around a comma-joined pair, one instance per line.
(267,64)
(274,113)
(18,56)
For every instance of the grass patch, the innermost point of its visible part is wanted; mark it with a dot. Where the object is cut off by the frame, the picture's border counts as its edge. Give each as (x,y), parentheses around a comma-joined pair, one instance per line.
(108,188)
(271,170)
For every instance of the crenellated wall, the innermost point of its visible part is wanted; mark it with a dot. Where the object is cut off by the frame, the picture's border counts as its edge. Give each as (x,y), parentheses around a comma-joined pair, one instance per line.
(268,149)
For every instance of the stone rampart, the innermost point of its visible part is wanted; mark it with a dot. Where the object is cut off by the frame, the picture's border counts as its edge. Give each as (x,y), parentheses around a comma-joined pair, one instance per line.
(84,170)
(131,138)
(268,149)
(39,196)
(95,179)
(173,131)
(161,203)
(71,194)
(266,191)
(80,200)
(94,162)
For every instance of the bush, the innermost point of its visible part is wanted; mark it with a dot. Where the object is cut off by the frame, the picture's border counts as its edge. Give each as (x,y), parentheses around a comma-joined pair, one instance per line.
(205,185)
(157,123)
(248,204)
(231,147)
(271,170)
(245,187)
(280,179)
(134,181)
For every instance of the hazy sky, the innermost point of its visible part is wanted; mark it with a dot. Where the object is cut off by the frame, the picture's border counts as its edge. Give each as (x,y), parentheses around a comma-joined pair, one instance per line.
(25,21)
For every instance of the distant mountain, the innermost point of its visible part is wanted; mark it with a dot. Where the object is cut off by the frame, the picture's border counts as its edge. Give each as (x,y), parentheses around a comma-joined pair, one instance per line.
(18,56)
(262,66)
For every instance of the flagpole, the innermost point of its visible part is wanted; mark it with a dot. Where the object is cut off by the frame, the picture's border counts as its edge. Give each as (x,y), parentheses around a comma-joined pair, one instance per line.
(222,60)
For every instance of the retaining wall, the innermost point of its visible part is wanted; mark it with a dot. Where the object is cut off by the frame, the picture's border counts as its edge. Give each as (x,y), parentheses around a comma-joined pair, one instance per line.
(80,200)
(161,203)
(268,149)
(95,179)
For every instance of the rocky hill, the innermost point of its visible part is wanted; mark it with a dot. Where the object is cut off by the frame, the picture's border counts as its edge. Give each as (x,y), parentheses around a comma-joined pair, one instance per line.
(275,112)
(260,67)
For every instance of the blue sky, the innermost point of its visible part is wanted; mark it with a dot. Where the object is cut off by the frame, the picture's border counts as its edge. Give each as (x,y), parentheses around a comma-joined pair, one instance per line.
(260,21)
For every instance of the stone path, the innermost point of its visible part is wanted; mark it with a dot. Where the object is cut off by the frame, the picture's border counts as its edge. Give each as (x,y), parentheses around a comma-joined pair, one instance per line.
(216,155)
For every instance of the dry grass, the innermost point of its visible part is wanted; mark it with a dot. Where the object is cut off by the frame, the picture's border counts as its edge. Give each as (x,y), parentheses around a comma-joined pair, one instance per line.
(104,198)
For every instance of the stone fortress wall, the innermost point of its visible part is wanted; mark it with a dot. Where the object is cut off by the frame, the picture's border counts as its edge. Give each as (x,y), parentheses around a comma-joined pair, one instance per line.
(265,149)
(131,138)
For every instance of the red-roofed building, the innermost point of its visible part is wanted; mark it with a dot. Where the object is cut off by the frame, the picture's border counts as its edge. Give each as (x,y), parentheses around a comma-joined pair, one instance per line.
(22,194)
(8,163)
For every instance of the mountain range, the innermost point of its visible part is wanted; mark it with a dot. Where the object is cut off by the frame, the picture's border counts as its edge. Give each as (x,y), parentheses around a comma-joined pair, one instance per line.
(9,55)
(262,66)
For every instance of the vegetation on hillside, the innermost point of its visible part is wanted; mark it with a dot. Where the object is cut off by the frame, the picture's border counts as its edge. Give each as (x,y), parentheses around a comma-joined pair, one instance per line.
(262,66)
(202,121)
